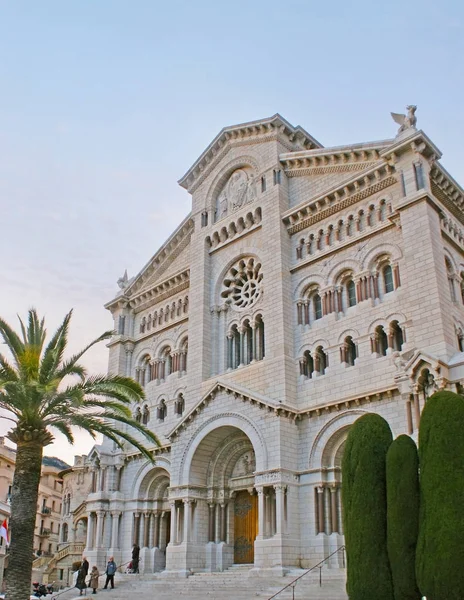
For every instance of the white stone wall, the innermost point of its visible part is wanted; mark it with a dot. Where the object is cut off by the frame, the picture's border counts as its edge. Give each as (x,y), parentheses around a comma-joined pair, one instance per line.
(296,425)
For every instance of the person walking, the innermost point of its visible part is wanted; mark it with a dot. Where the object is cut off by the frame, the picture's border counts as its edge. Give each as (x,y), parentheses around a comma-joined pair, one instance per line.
(94,575)
(135,558)
(82,575)
(110,571)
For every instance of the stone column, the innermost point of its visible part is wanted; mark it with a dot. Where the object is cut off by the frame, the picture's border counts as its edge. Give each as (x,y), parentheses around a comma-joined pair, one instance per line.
(102,479)
(280,512)
(230,354)
(146,528)
(187,519)
(261,515)
(90,530)
(211,522)
(115,529)
(173,523)
(100,518)
(217,523)
(136,526)
(333,509)
(252,333)
(417,409)
(320,509)
(156,530)
(223,535)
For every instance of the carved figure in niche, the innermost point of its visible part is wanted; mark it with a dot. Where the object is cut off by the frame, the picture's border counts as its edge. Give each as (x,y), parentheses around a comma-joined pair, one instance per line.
(406,121)
(251,191)
(237,188)
(249,464)
(223,204)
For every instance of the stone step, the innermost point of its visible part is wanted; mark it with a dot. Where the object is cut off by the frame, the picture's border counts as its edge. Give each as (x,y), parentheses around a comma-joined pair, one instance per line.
(215,586)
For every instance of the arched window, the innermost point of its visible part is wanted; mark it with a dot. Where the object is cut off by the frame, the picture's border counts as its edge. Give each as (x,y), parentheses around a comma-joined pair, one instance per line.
(64,533)
(380,341)
(348,351)
(317,302)
(162,410)
(396,334)
(388,279)
(145,415)
(138,415)
(307,365)
(245,344)
(179,405)
(460,336)
(165,368)
(320,360)
(462,287)
(183,357)
(149,322)
(351,293)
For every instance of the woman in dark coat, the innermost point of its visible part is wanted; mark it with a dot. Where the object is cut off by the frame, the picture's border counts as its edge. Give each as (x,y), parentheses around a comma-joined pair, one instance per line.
(82,576)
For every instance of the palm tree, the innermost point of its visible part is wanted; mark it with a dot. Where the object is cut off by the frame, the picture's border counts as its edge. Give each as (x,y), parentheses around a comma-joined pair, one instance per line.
(40,392)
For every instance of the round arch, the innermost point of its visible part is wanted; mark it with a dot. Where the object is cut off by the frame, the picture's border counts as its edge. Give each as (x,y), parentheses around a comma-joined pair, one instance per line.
(229,421)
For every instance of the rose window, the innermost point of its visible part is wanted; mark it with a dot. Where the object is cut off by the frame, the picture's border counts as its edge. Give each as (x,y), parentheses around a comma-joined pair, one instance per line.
(243,284)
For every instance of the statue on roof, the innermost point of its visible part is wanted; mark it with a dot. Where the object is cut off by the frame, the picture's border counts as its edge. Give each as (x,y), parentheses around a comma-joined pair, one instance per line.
(123,281)
(406,121)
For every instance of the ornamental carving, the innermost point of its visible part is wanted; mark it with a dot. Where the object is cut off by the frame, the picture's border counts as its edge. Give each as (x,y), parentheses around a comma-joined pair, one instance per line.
(239,190)
(243,283)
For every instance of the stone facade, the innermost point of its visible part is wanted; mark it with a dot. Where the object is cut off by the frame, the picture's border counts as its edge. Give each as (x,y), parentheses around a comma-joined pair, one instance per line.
(307,286)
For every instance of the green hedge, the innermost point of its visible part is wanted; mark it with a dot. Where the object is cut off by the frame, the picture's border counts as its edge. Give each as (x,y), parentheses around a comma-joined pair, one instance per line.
(440,547)
(365,509)
(403,516)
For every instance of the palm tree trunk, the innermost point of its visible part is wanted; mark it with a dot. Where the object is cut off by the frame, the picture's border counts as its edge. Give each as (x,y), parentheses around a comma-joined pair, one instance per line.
(25,492)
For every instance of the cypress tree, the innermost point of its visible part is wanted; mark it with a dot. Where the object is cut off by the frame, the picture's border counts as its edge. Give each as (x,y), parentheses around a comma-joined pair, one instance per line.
(440,547)
(365,509)
(403,516)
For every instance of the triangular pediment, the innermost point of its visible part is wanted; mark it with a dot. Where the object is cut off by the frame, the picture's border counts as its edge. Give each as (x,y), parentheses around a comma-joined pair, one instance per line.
(168,268)
(261,131)
(241,394)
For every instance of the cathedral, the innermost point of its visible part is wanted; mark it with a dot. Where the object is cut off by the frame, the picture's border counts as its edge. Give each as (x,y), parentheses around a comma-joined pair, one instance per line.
(307,286)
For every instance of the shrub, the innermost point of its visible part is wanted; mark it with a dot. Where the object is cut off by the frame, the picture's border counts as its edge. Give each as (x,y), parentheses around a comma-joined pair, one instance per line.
(403,516)
(365,509)
(440,547)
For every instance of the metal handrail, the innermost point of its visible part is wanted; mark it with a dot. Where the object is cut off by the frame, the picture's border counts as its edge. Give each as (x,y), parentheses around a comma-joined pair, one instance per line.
(292,583)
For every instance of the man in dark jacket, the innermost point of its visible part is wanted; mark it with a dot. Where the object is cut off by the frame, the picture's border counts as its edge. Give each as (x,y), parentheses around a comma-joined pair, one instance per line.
(110,571)
(135,558)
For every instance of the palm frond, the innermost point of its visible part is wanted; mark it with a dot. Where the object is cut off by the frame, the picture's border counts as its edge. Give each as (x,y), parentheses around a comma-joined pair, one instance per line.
(12,340)
(94,424)
(7,372)
(64,370)
(53,354)
(64,428)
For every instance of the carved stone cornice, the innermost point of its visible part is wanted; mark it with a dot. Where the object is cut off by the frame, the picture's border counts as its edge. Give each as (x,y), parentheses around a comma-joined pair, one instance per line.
(168,252)
(347,193)
(165,289)
(254,132)
(447,190)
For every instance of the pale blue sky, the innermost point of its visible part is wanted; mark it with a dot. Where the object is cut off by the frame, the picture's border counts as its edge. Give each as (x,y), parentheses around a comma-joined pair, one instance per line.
(104,104)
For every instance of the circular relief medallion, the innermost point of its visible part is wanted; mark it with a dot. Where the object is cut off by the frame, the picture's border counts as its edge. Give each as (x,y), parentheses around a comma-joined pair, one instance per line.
(243,284)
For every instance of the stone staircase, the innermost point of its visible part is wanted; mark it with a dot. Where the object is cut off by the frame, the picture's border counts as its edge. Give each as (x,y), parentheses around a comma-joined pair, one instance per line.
(233,584)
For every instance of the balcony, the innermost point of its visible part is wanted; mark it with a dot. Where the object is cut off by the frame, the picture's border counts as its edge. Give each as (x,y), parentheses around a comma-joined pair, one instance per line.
(43,532)
(45,510)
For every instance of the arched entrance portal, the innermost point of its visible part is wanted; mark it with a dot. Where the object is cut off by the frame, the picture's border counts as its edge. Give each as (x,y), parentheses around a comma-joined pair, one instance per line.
(151,526)
(224,463)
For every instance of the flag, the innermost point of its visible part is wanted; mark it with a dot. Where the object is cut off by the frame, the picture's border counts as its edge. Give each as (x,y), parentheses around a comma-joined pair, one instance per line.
(4,532)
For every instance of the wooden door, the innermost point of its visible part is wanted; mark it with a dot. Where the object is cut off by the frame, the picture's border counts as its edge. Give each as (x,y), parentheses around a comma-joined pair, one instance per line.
(245,527)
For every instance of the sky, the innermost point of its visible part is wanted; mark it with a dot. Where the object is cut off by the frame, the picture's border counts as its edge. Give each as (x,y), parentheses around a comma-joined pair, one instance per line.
(105,104)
